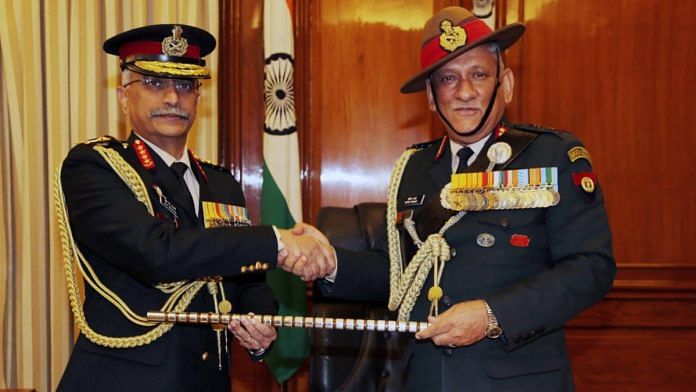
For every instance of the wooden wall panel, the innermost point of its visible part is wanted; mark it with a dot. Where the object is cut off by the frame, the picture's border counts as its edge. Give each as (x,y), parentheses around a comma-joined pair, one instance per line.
(620,75)
(362,51)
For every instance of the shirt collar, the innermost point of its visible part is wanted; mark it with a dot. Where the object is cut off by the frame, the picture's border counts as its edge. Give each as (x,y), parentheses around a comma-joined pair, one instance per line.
(475,147)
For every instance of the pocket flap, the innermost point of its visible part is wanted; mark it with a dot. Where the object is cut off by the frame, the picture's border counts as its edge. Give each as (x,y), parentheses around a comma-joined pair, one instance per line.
(529,359)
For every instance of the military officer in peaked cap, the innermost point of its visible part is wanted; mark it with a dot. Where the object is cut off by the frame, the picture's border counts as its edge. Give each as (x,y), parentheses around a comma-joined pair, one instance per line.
(496,233)
(152,227)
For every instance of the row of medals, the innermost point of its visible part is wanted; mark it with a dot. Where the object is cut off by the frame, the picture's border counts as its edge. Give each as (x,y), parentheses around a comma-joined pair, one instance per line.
(503,199)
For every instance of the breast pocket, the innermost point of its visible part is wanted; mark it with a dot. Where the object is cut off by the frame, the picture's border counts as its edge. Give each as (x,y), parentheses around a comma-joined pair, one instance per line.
(512,237)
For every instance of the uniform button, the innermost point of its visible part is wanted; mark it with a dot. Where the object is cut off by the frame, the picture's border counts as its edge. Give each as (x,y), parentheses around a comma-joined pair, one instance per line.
(252,268)
(453,252)
(447,352)
(244,269)
(526,335)
(264,266)
(204,356)
(446,300)
(504,222)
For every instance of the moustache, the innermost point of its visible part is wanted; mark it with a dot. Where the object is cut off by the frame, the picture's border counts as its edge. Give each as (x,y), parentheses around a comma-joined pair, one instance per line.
(173,111)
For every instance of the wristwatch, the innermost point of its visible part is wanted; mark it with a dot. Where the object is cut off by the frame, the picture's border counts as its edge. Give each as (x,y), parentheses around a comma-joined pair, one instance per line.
(493,330)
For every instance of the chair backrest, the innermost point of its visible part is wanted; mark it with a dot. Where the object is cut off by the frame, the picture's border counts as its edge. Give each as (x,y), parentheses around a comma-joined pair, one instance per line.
(354,360)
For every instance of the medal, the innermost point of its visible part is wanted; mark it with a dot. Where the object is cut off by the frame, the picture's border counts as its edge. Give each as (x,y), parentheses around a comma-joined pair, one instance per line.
(499,152)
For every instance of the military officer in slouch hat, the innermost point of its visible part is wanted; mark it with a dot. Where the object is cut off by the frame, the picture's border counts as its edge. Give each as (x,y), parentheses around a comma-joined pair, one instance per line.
(496,233)
(152,227)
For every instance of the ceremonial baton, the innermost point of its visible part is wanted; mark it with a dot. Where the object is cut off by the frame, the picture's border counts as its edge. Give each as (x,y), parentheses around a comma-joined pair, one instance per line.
(291,321)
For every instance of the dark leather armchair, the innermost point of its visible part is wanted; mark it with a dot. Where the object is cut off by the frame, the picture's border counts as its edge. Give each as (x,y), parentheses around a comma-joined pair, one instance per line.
(354,360)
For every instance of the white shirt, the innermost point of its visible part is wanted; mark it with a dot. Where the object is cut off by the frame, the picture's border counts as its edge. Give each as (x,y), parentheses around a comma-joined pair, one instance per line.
(475,147)
(189,178)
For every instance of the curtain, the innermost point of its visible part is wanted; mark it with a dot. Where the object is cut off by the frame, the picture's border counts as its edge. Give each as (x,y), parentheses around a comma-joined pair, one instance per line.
(57,88)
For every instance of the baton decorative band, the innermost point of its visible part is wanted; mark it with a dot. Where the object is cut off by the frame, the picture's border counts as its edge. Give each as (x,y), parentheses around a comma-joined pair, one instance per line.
(291,321)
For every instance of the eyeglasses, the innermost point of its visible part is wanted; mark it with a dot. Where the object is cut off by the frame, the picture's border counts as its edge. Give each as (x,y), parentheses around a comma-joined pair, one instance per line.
(159,85)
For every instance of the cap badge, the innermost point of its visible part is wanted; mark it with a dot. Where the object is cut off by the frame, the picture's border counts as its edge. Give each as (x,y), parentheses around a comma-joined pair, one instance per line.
(176,45)
(452,37)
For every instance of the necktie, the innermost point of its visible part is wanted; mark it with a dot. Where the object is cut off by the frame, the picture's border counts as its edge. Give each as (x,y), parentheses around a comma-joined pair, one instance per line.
(179,168)
(464,154)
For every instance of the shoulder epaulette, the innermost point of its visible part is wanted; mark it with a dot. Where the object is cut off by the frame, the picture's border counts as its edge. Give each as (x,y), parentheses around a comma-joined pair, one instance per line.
(420,146)
(103,141)
(212,165)
(539,129)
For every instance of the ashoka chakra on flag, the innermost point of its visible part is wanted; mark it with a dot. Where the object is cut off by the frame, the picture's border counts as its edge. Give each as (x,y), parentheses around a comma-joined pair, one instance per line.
(279,94)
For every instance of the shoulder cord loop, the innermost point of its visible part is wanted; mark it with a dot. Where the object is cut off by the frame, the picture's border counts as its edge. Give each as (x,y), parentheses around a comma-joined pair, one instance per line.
(182,292)
(405,286)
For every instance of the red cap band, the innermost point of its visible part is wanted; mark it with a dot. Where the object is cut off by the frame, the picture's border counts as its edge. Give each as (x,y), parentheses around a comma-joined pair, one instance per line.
(153,47)
(433,52)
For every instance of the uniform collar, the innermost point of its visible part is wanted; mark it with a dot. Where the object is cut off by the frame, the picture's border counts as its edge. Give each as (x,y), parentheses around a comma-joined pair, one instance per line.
(166,157)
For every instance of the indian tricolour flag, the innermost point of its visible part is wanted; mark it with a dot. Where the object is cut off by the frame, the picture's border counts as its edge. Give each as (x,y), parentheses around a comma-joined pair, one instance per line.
(281,199)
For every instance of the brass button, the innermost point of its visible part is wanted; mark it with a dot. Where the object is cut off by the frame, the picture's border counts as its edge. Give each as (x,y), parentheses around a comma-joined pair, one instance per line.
(264,266)
(258,265)
(244,269)
(252,268)
(204,356)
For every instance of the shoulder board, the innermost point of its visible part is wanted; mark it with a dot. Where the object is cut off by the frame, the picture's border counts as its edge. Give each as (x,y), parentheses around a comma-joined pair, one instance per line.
(420,146)
(539,129)
(212,165)
(102,141)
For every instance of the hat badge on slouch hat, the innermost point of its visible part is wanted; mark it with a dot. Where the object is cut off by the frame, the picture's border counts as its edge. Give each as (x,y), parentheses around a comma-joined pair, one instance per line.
(163,50)
(451,32)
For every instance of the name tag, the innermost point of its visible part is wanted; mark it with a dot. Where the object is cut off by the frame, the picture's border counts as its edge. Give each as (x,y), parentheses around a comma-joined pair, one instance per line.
(414,201)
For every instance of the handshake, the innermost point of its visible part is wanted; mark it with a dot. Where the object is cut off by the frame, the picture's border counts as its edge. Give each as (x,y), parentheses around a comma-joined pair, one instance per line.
(306,253)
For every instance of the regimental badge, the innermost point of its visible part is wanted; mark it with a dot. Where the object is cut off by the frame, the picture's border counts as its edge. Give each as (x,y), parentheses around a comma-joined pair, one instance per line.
(452,37)
(576,153)
(586,182)
(176,45)
(224,215)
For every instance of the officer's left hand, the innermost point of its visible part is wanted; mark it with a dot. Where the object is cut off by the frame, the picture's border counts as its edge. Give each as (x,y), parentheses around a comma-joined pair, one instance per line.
(461,325)
(252,333)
